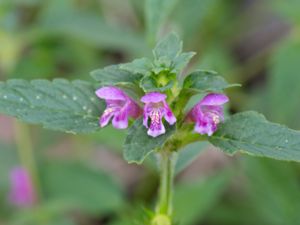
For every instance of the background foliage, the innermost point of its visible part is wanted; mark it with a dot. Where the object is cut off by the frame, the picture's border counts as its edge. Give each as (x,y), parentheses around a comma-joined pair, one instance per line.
(84,179)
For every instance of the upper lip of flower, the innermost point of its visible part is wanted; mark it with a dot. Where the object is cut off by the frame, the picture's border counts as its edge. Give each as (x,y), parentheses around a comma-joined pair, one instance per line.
(208,113)
(119,106)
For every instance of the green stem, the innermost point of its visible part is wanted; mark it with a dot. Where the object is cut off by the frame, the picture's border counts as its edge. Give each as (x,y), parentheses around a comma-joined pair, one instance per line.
(167,167)
(26,154)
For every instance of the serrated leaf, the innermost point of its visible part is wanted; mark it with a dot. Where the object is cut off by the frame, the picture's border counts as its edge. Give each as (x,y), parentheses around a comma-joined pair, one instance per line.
(149,84)
(141,66)
(138,144)
(206,81)
(251,133)
(59,105)
(168,48)
(113,75)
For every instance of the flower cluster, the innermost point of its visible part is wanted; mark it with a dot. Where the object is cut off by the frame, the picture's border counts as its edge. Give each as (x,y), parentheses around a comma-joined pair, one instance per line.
(206,114)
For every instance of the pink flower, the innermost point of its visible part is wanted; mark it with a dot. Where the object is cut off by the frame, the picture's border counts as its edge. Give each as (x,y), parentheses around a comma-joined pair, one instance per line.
(22,193)
(156,108)
(119,106)
(208,113)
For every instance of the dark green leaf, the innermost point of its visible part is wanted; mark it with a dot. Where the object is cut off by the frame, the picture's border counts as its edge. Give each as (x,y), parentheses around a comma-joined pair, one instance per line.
(138,144)
(251,133)
(149,84)
(92,191)
(206,81)
(113,75)
(141,66)
(59,105)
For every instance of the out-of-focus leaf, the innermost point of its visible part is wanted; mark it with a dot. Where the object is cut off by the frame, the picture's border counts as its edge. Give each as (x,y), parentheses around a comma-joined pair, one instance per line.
(193,200)
(138,144)
(59,105)
(284,83)
(85,189)
(289,10)
(157,11)
(251,133)
(61,17)
(273,191)
(50,213)
(188,154)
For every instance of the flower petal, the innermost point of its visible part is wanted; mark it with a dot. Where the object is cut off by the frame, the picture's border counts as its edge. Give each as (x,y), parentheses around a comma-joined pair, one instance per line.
(111,93)
(169,116)
(120,120)
(214,99)
(153,97)
(106,116)
(156,130)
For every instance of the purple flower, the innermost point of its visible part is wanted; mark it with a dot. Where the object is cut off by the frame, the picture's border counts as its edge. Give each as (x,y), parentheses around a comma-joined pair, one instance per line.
(208,113)
(22,193)
(156,108)
(119,106)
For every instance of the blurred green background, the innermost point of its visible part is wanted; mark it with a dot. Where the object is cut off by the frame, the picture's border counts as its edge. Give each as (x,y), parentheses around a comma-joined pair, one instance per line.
(83,180)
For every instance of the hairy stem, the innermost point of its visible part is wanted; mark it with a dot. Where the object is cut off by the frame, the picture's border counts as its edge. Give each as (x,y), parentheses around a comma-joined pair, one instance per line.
(167,167)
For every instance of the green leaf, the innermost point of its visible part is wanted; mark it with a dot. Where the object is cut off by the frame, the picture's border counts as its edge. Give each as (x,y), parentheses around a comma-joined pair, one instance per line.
(188,154)
(81,187)
(251,133)
(168,48)
(157,11)
(193,200)
(149,84)
(113,75)
(141,66)
(138,144)
(206,81)
(58,105)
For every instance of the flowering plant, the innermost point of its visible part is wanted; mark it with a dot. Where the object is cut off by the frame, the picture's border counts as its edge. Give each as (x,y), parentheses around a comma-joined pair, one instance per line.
(164,110)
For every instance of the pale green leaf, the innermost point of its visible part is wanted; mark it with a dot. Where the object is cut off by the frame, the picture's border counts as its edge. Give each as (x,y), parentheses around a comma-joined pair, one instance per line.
(138,144)
(157,11)
(168,48)
(59,105)
(251,133)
